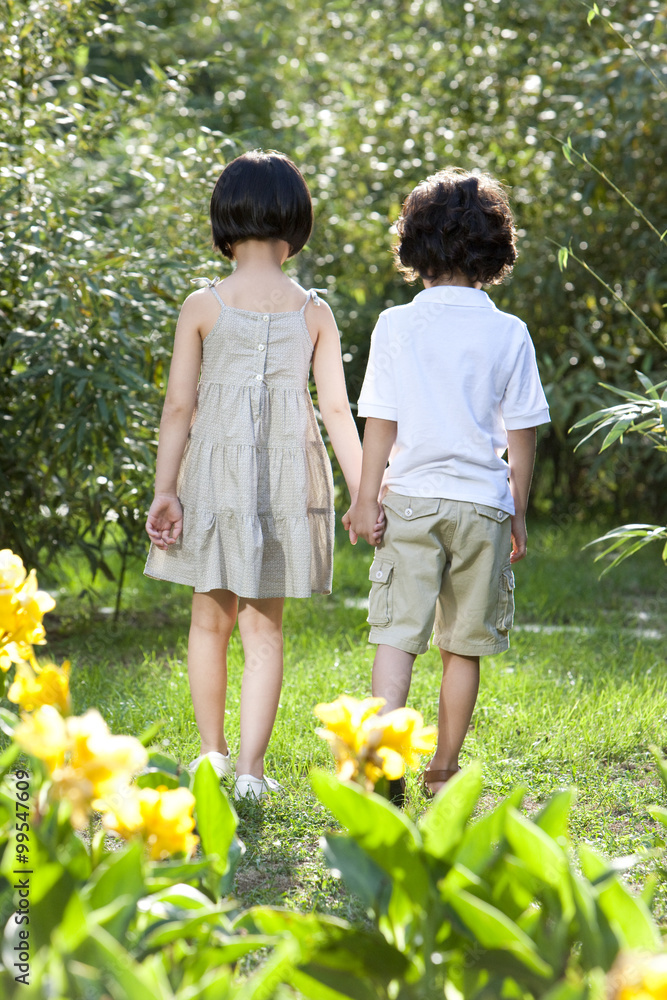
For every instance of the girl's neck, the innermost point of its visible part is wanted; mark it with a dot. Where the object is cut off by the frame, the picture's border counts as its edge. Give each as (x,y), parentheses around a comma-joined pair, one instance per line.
(265,254)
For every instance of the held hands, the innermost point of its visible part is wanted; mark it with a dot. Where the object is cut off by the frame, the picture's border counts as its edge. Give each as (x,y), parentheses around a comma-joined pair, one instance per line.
(365,520)
(165,520)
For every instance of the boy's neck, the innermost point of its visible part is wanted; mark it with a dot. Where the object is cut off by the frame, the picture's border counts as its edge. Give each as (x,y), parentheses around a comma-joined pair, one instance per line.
(457,278)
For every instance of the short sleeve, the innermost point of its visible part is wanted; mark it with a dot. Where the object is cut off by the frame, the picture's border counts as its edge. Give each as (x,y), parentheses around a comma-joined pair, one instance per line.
(378,393)
(524,403)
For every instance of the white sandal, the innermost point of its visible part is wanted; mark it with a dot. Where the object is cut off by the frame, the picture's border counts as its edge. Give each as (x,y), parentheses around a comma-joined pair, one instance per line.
(220,762)
(260,788)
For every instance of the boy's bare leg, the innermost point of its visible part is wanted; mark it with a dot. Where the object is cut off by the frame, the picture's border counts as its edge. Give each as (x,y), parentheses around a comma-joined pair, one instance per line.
(213,620)
(260,625)
(458,694)
(392,673)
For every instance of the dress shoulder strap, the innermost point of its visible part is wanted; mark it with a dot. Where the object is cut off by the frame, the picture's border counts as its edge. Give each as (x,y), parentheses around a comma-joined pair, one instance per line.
(313,294)
(210,283)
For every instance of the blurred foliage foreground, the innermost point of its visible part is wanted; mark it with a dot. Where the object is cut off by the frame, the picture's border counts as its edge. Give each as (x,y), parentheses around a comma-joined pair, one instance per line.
(116,118)
(107,891)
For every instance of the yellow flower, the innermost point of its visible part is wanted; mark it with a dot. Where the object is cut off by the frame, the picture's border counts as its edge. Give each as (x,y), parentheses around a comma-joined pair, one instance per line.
(35,686)
(371,745)
(86,762)
(163,816)
(22,607)
(44,735)
(640,977)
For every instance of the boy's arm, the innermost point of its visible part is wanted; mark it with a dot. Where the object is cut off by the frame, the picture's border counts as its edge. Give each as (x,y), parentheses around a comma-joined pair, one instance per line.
(521,459)
(362,517)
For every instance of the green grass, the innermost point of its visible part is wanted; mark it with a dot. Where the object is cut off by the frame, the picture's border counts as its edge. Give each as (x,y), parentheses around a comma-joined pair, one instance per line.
(578,699)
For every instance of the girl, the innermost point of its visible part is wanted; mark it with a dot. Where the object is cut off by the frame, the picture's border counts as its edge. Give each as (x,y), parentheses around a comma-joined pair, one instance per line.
(243,507)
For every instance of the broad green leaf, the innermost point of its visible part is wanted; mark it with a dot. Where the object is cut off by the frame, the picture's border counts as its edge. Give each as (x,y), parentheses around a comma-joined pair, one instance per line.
(381,830)
(125,977)
(120,871)
(152,777)
(330,942)
(662,765)
(659,813)
(541,855)
(554,817)
(443,825)
(598,945)
(593,865)
(331,984)
(482,838)
(493,930)
(216,818)
(630,917)
(361,874)
(277,968)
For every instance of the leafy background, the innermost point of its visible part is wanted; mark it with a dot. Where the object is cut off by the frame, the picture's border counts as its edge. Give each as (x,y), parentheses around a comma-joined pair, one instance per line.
(117,117)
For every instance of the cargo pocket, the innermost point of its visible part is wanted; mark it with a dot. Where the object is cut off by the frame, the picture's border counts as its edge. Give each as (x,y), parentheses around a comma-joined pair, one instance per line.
(505,616)
(410,508)
(494,513)
(379,602)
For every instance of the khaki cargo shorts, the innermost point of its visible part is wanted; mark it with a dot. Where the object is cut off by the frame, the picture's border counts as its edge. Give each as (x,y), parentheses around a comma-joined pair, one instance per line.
(442,562)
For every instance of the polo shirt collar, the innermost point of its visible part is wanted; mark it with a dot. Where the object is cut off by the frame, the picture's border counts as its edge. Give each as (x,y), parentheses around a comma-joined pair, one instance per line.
(455,295)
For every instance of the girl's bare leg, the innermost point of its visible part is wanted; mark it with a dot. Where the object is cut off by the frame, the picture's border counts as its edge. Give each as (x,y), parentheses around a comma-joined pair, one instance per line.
(260,625)
(213,620)
(458,694)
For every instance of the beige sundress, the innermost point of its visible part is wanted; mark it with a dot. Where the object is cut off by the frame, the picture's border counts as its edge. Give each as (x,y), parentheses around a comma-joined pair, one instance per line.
(255,481)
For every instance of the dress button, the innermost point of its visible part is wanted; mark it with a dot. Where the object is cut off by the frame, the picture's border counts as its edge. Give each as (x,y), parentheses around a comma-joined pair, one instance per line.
(260,347)
(378,575)
(501,514)
(265,317)
(259,377)
(408,511)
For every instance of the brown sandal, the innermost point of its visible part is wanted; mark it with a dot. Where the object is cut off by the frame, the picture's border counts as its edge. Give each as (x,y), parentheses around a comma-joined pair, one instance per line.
(430,777)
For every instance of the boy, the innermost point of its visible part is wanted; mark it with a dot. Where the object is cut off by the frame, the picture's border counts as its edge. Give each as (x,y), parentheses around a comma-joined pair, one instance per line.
(451,384)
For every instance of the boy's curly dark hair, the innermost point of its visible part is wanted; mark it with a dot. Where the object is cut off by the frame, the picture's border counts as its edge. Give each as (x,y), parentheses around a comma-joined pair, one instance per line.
(456,221)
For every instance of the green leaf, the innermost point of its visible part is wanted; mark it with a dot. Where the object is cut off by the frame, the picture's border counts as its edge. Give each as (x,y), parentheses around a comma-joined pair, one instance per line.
(8,721)
(444,823)
(153,777)
(124,976)
(216,819)
(481,839)
(120,874)
(555,816)
(662,764)
(331,943)
(493,930)
(598,945)
(563,252)
(381,830)
(629,917)
(361,874)
(541,855)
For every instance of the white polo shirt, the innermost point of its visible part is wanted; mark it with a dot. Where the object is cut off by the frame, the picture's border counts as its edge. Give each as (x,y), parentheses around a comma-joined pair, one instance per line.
(456,374)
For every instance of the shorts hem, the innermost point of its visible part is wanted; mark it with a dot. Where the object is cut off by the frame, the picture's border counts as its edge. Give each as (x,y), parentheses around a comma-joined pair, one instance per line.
(464,648)
(377,637)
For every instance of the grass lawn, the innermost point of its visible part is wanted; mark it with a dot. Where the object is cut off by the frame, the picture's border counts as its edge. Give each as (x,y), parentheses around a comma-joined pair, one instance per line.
(578,699)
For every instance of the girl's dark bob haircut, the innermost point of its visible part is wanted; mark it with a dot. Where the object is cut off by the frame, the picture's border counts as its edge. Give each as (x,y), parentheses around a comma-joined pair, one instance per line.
(456,222)
(260,196)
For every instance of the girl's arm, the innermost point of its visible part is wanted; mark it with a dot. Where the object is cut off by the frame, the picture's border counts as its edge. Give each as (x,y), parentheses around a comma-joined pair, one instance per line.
(333,402)
(165,517)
